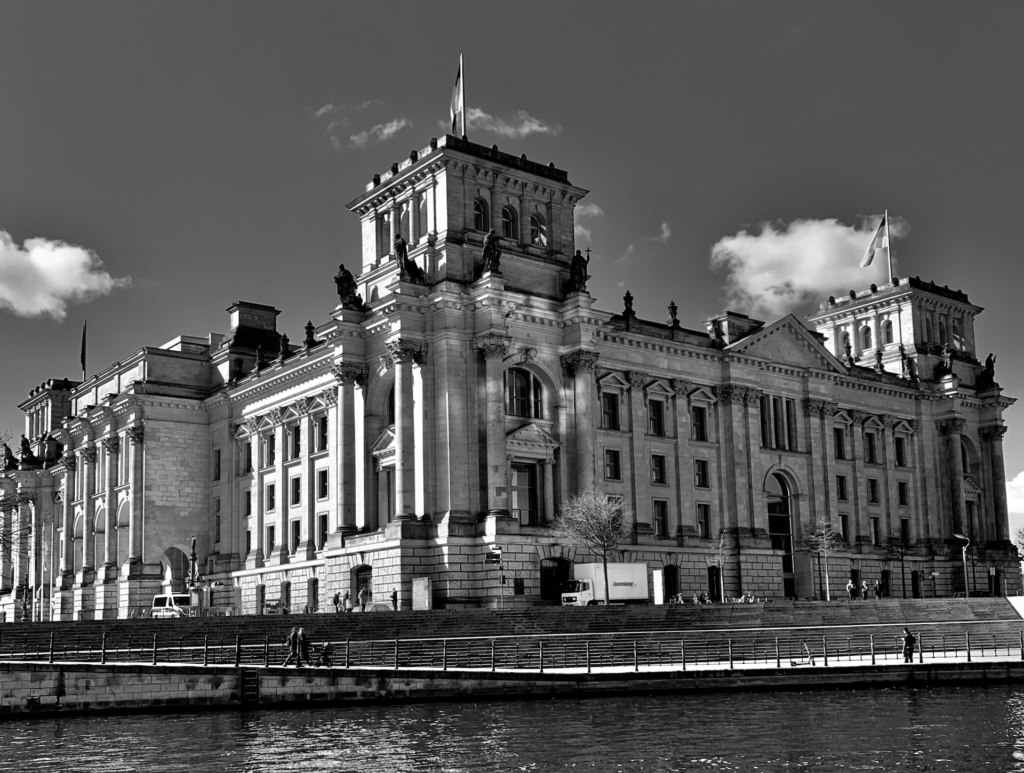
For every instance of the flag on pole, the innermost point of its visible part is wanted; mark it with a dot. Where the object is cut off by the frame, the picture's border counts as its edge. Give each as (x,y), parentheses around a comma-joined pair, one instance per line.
(458,106)
(84,326)
(880,241)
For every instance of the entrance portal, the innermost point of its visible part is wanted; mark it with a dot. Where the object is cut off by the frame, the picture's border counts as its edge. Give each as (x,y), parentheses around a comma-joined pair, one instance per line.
(780,528)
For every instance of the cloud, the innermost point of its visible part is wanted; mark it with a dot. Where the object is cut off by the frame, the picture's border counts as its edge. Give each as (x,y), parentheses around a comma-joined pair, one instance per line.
(663,236)
(629,253)
(330,109)
(521,125)
(380,132)
(587,210)
(1015,494)
(581,233)
(43,276)
(777,267)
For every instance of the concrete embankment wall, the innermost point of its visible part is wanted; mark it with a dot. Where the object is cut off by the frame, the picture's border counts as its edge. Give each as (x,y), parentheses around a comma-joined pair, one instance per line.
(40,688)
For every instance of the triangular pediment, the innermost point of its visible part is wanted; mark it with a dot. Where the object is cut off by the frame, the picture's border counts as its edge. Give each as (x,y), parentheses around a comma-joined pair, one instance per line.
(788,342)
(659,387)
(702,395)
(531,434)
(971,486)
(384,443)
(613,380)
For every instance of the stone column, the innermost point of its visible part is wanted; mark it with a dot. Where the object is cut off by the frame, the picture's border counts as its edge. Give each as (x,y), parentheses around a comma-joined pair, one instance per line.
(431,193)
(343,459)
(21,533)
(136,489)
(279,553)
(818,460)
(993,438)
(638,445)
(495,205)
(549,490)
(861,525)
(951,429)
(258,555)
(111,448)
(683,458)
(892,497)
(733,442)
(307,505)
(414,219)
(494,348)
(582,363)
(88,461)
(396,227)
(755,463)
(402,354)
(6,532)
(67,521)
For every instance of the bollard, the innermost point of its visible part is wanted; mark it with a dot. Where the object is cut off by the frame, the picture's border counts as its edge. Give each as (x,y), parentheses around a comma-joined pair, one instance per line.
(730,653)
(266,650)
(920,648)
(51,646)
(588,655)
(154,649)
(396,654)
(238,650)
(492,655)
(348,643)
(636,661)
(872,649)
(682,652)
(778,655)
(967,635)
(541,658)
(181,642)
(206,650)
(824,649)
(103,649)
(444,654)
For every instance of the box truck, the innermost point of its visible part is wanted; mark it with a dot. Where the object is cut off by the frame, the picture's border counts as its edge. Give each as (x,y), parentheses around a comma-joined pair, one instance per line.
(628,585)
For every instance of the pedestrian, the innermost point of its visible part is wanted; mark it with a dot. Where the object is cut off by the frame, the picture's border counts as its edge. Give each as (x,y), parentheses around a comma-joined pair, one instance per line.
(850,588)
(337,601)
(909,640)
(345,603)
(364,597)
(326,655)
(863,590)
(394,599)
(291,641)
(878,589)
(303,646)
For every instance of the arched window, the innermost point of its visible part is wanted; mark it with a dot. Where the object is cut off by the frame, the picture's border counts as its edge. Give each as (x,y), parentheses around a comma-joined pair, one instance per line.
(538,230)
(780,528)
(480,220)
(846,340)
(509,222)
(887,329)
(957,341)
(391,407)
(927,330)
(942,332)
(524,394)
(865,337)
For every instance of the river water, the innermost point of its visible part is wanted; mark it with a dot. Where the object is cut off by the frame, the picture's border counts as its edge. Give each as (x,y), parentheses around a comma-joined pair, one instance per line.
(942,729)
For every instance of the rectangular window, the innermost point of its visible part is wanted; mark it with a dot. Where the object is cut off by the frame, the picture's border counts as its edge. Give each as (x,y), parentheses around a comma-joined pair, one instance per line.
(248,457)
(248,502)
(701,476)
(270,451)
(905,532)
(766,422)
(609,410)
(777,427)
(699,423)
(839,438)
(841,493)
(216,520)
(296,441)
(844,526)
(659,473)
(870,448)
(901,451)
(660,517)
(270,497)
(525,496)
(903,492)
(321,484)
(704,520)
(216,464)
(612,465)
(296,535)
(656,417)
(248,541)
(271,533)
(321,531)
(791,435)
(876,534)
(873,490)
(296,490)
(321,434)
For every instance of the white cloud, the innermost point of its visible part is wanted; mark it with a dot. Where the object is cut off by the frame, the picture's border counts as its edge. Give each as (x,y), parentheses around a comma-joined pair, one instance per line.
(581,232)
(43,275)
(380,132)
(586,210)
(521,125)
(1015,494)
(663,236)
(330,109)
(774,270)
(629,253)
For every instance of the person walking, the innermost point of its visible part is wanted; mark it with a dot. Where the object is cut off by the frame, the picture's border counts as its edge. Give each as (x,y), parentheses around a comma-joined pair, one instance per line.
(337,601)
(878,589)
(909,640)
(291,641)
(863,589)
(303,647)
(394,599)
(345,603)
(364,597)
(850,588)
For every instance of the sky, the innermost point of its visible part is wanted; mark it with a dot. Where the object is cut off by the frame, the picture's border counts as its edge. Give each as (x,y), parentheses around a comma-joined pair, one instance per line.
(159,161)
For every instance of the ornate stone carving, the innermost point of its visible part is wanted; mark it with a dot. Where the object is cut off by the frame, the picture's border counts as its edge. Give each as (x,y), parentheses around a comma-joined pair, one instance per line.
(112,444)
(493,345)
(89,454)
(814,406)
(491,257)
(752,396)
(951,426)
(637,380)
(680,387)
(404,350)
(276,416)
(347,290)
(527,355)
(991,434)
(350,373)
(578,272)
(330,396)
(304,406)
(135,434)
(579,361)
(859,417)
(728,394)
(70,462)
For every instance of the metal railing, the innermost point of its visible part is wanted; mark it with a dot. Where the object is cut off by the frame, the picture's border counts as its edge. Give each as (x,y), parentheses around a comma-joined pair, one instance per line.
(659,650)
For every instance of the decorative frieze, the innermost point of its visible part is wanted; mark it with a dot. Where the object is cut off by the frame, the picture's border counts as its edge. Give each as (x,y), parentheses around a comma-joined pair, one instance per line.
(330,396)
(680,387)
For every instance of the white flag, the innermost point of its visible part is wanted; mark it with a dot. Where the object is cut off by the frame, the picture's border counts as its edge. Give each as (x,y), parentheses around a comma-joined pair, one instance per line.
(458,106)
(880,241)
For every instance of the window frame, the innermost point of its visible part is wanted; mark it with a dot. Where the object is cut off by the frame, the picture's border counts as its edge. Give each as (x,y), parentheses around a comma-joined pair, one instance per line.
(875,525)
(844,527)
(839,443)
(903,493)
(900,447)
(660,519)
(871,447)
(701,474)
(538,230)
(481,216)
(656,417)
(323,483)
(295,490)
(659,469)
(323,530)
(509,224)
(534,396)
(322,430)
(610,399)
(703,512)
(842,490)
(699,426)
(270,497)
(874,492)
(613,463)
(295,535)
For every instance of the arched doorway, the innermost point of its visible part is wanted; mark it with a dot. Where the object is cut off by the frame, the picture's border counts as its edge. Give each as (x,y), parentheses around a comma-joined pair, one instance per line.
(715,583)
(362,577)
(175,564)
(554,572)
(122,527)
(855,579)
(780,528)
(886,583)
(670,581)
(915,583)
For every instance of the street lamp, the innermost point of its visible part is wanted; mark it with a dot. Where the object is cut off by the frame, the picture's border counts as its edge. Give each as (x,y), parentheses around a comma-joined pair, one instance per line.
(967,542)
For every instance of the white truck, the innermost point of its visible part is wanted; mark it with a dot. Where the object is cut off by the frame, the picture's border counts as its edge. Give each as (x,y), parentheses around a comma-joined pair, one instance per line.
(628,585)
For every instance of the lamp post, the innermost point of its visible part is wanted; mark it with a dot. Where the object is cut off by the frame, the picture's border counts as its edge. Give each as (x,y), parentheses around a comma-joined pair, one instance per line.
(967,542)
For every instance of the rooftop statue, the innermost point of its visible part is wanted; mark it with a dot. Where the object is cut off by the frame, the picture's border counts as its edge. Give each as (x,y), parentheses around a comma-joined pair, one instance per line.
(491,254)
(578,272)
(10,463)
(408,271)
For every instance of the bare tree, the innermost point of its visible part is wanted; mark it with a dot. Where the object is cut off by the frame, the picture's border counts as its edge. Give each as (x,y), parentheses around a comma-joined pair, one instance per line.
(591,520)
(824,540)
(717,560)
(1018,539)
(897,549)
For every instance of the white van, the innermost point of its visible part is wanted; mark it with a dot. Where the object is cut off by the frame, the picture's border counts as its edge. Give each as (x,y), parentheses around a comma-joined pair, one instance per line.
(172,605)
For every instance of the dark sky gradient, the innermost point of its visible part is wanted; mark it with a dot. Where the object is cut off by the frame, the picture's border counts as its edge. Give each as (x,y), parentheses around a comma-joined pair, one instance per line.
(179,142)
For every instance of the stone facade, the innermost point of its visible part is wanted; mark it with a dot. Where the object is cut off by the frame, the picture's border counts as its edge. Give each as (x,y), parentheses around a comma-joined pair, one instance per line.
(440,411)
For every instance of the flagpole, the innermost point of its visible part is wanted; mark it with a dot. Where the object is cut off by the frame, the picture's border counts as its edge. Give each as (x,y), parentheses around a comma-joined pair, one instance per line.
(85,326)
(889,242)
(462,97)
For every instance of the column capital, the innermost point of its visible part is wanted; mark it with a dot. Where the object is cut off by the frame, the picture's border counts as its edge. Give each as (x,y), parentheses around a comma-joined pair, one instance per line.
(350,374)
(889,422)
(403,350)
(135,434)
(492,345)
(859,417)
(818,407)
(112,443)
(276,416)
(992,434)
(951,426)
(637,380)
(579,361)
(751,396)
(88,454)
(681,387)
(70,461)
(304,406)
(728,394)
(330,396)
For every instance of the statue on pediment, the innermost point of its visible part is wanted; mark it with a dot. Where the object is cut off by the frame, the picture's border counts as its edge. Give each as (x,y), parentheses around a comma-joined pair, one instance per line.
(987,378)
(578,272)
(491,255)
(10,463)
